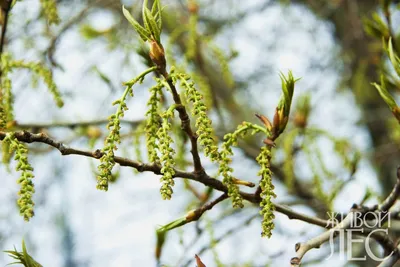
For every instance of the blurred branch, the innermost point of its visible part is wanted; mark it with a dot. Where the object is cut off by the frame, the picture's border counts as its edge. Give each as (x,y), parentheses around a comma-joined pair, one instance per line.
(50,51)
(228,233)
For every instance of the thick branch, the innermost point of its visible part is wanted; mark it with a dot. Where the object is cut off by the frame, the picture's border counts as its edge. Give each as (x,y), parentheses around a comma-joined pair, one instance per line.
(203,178)
(72,125)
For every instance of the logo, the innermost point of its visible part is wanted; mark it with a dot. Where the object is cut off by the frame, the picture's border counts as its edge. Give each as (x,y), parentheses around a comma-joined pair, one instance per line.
(361,230)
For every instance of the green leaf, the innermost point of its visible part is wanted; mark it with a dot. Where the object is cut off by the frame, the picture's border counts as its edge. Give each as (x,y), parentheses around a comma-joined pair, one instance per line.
(287,89)
(156,12)
(376,26)
(385,94)
(152,25)
(394,58)
(145,19)
(143,33)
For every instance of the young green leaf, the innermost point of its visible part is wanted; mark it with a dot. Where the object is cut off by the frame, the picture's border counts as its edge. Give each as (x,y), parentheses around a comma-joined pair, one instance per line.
(156,12)
(394,58)
(152,25)
(389,100)
(143,33)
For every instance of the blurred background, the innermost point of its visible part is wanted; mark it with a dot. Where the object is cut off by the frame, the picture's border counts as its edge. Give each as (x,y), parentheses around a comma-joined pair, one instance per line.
(340,147)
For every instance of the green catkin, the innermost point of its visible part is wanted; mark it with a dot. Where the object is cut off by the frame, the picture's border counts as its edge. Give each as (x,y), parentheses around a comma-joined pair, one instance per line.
(204,87)
(203,122)
(137,140)
(192,38)
(107,162)
(289,160)
(167,153)
(27,189)
(43,72)
(153,122)
(267,191)
(6,95)
(50,11)
(225,170)
(223,62)
(317,179)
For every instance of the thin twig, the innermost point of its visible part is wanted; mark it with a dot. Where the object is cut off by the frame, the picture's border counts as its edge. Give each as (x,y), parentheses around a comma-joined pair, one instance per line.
(393,196)
(392,259)
(185,124)
(223,236)
(197,213)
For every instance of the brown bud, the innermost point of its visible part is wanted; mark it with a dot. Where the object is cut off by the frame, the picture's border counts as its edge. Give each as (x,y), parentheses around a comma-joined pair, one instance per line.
(193,7)
(157,55)
(265,121)
(199,262)
(241,182)
(269,142)
(191,216)
(300,120)
(295,261)
(158,252)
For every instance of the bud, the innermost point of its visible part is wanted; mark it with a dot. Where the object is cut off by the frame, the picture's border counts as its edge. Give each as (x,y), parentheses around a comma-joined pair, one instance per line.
(161,235)
(157,55)
(11,124)
(191,216)
(199,262)
(193,7)
(242,182)
(269,142)
(265,121)
(93,132)
(300,120)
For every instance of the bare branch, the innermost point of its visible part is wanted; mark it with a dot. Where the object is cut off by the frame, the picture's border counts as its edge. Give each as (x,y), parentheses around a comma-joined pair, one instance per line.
(393,196)
(316,242)
(392,259)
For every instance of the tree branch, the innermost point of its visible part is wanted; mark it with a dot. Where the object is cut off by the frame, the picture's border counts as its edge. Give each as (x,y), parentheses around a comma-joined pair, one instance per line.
(72,125)
(393,196)
(185,124)
(27,137)
(392,259)
(316,242)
